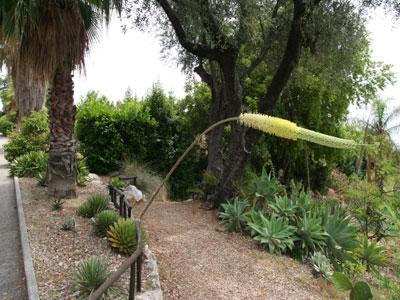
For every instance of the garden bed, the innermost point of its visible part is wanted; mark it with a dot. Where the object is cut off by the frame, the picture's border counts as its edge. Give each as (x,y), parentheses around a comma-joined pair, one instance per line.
(58,253)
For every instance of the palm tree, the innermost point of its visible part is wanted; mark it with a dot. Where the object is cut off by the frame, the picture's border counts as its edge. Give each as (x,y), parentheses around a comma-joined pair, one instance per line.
(52,37)
(382,124)
(29,88)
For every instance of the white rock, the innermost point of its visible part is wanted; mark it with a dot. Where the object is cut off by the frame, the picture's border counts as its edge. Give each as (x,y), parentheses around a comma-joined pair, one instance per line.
(132,192)
(93,176)
(150,295)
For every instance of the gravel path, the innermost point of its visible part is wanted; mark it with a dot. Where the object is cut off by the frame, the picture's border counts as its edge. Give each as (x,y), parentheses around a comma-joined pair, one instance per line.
(198,259)
(12,275)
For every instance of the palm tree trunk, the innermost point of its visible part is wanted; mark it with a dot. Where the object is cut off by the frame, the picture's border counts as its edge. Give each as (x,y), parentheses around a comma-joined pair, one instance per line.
(30,93)
(62,161)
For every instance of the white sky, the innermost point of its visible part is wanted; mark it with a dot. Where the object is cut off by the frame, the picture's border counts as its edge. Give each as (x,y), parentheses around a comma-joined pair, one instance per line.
(118,61)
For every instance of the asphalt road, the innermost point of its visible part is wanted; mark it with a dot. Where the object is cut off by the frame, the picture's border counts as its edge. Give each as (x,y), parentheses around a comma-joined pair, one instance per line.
(12,275)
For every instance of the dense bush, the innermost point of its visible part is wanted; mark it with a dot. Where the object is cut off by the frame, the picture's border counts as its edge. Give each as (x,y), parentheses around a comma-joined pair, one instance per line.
(152,132)
(34,136)
(30,164)
(97,131)
(6,125)
(94,205)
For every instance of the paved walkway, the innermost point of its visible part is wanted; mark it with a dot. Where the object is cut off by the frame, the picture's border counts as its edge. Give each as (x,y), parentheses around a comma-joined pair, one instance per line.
(12,276)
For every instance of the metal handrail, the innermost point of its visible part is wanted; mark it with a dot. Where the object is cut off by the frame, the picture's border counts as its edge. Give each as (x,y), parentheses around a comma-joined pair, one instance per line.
(135,260)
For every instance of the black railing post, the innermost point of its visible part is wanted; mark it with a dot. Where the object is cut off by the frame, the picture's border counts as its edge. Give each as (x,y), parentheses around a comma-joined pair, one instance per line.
(132,282)
(139,259)
(121,201)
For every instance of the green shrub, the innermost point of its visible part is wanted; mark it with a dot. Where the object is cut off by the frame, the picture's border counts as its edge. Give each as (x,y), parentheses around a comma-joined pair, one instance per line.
(69,224)
(57,204)
(30,164)
(97,131)
(321,265)
(82,175)
(118,183)
(34,136)
(274,233)
(234,214)
(6,125)
(94,205)
(122,236)
(91,274)
(103,221)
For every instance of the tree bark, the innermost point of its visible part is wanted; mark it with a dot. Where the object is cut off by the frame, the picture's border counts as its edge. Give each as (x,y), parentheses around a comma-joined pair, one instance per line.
(30,91)
(62,160)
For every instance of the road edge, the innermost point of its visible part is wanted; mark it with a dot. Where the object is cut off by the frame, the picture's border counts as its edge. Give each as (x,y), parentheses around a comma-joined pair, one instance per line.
(31,283)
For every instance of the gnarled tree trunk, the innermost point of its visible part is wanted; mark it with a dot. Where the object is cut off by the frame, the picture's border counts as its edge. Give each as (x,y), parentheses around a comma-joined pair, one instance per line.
(62,160)
(241,142)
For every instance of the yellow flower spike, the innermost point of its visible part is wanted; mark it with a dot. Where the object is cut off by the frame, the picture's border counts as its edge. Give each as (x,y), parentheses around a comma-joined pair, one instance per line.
(325,140)
(289,130)
(272,125)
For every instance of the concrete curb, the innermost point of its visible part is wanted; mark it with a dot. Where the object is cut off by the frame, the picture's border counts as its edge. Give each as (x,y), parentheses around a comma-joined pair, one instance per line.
(31,284)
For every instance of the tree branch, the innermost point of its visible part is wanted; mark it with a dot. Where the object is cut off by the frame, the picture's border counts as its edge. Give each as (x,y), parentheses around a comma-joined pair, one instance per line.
(267,41)
(196,49)
(204,75)
(289,60)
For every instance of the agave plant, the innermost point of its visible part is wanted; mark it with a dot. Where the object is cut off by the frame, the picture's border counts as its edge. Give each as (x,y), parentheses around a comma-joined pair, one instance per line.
(303,203)
(265,187)
(321,265)
(371,254)
(284,208)
(253,217)
(29,164)
(103,221)
(91,274)
(122,236)
(94,205)
(341,237)
(311,234)
(234,214)
(274,233)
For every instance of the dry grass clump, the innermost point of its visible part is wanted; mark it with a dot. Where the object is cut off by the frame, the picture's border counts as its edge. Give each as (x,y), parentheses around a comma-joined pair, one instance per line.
(147,179)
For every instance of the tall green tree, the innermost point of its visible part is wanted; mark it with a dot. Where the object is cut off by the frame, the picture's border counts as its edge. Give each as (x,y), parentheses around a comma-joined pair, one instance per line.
(213,36)
(51,38)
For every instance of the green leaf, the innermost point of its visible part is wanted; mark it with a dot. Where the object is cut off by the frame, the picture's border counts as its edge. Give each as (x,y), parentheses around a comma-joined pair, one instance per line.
(361,291)
(341,282)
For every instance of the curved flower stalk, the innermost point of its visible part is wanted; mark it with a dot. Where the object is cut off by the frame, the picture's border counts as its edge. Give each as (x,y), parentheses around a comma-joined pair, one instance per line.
(289,130)
(271,125)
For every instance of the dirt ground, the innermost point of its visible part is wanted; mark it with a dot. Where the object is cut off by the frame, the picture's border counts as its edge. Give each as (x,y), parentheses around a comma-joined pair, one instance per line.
(58,253)
(198,259)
